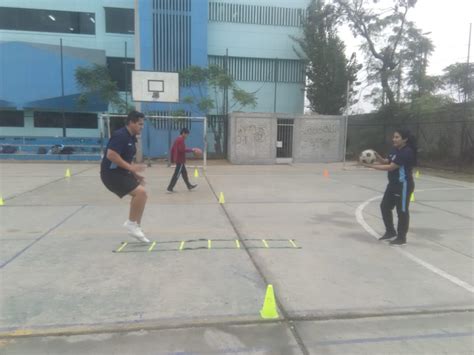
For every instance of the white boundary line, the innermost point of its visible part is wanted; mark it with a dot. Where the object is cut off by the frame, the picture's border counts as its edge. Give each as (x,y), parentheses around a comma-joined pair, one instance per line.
(360,219)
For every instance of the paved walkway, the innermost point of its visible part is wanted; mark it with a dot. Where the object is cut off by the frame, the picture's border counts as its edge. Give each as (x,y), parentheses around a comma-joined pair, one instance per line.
(67,288)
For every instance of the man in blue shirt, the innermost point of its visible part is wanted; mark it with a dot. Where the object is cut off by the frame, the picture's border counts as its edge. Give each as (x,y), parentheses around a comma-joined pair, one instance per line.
(122,177)
(399,166)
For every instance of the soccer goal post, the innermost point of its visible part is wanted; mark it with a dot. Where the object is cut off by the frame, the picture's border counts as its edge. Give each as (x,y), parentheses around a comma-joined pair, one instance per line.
(159,134)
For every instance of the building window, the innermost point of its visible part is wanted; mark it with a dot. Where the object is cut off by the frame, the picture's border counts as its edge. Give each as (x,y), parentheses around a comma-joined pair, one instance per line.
(171,35)
(47,21)
(174,5)
(120,70)
(255,14)
(43,119)
(262,69)
(12,119)
(119,20)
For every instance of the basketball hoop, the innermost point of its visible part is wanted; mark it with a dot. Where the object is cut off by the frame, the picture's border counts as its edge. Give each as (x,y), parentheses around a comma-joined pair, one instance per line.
(148,86)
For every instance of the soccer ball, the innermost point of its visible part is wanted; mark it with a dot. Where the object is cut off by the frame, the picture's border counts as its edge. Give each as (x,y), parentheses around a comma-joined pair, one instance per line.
(197,152)
(367,156)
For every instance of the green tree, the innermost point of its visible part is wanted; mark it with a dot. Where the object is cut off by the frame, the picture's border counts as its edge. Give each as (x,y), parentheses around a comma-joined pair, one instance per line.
(210,87)
(414,58)
(383,32)
(328,70)
(96,79)
(458,78)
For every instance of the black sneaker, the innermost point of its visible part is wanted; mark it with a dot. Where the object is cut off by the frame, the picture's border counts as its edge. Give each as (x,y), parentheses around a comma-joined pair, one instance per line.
(398,242)
(388,235)
(191,187)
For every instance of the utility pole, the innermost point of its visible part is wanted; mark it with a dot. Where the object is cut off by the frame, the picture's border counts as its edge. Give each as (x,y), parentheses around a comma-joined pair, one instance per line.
(348,90)
(126,77)
(275,79)
(62,86)
(138,105)
(468,84)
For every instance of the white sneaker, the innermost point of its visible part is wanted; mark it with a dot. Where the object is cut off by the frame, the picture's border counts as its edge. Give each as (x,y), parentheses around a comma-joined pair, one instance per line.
(135,231)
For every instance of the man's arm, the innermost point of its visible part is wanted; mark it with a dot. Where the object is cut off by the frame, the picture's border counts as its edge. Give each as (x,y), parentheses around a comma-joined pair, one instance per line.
(182,147)
(114,157)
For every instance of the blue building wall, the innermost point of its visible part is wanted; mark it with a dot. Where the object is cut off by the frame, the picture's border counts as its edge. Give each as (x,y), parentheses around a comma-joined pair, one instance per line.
(32,72)
(262,29)
(33,57)
(30,63)
(172,45)
(173,36)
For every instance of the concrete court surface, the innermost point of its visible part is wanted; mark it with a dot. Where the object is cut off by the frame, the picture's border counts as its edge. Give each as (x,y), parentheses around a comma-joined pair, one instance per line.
(64,291)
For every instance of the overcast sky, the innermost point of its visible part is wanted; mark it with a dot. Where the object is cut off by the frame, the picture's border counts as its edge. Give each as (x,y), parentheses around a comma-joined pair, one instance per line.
(448,22)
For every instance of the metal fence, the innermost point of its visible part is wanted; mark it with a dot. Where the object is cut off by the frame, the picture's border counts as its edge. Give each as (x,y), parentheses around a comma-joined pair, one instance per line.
(217,129)
(160,131)
(442,143)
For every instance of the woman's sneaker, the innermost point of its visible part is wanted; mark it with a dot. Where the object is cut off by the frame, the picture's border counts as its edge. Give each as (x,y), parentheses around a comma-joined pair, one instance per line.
(135,231)
(388,235)
(398,242)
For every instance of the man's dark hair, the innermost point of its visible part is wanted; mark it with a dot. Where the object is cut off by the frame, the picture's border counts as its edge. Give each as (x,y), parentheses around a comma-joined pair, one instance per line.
(184,130)
(134,116)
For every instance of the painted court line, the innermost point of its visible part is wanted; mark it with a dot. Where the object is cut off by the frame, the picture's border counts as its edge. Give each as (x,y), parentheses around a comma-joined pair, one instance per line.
(39,238)
(428,266)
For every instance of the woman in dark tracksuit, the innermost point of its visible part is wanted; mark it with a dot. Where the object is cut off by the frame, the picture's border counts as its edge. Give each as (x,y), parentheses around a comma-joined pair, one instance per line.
(399,164)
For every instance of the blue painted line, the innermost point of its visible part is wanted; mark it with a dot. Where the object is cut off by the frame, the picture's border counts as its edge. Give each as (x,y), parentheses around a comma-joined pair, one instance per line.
(404,197)
(39,238)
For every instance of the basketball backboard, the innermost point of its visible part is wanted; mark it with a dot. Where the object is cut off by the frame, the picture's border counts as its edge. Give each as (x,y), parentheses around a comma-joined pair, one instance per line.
(151,86)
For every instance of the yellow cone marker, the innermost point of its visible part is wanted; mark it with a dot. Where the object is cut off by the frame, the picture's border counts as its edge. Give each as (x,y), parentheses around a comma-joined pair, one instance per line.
(68,173)
(196,173)
(269,310)
(221,198)
(412,197)
(417,174)
(1,201)
(326,173)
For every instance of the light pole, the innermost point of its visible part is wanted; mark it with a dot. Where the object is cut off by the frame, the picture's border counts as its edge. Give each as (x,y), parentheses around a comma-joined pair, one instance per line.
(466,91)
(346,123)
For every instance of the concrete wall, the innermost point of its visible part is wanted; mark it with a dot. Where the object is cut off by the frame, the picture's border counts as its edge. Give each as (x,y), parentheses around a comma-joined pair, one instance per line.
(316,139)
(252,138)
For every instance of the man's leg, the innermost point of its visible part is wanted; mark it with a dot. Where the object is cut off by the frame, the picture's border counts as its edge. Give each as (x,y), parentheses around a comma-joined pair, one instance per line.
(137,205)
(184,172)
(186,179)
(174,178)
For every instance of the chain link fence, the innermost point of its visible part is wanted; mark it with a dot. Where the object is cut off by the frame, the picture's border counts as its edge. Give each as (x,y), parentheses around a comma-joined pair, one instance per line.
(445,137)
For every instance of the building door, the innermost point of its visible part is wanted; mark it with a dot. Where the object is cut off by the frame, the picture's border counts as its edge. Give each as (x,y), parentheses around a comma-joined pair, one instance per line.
(285,140)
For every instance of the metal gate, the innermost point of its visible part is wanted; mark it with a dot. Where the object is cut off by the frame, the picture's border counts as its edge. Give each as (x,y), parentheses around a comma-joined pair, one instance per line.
(285,138)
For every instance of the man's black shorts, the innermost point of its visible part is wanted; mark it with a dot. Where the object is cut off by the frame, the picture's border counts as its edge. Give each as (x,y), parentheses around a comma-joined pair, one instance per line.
(119,182)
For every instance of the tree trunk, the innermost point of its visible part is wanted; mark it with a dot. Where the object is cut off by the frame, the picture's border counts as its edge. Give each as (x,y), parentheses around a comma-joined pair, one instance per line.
(386,87)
